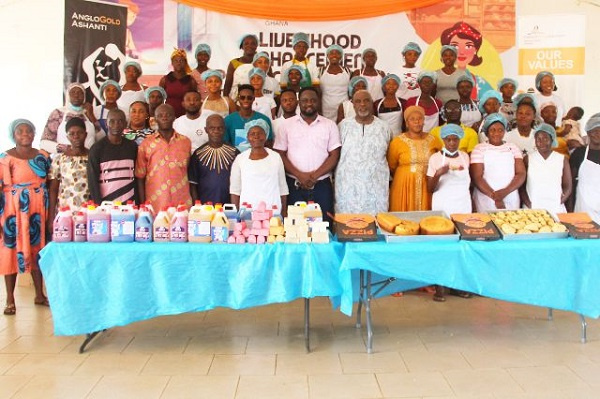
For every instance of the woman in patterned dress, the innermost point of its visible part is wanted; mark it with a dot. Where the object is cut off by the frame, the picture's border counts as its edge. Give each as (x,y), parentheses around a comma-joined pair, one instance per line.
(23,210)
(408,157)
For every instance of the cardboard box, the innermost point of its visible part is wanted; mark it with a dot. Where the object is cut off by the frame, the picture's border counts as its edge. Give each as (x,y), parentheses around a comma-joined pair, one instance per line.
(355,227)
(475,227)
(580,225)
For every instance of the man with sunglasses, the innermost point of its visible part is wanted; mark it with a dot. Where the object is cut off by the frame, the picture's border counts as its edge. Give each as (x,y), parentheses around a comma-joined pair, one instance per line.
(235,134)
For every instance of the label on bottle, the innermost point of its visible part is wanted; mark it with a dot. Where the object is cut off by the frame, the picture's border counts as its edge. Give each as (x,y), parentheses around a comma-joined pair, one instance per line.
(98,227)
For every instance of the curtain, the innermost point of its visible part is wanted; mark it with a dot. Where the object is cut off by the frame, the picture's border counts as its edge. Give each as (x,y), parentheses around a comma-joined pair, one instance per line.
(314,10)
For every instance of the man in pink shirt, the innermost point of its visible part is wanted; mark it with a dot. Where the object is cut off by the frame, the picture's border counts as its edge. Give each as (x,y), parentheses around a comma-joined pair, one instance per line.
(309,145)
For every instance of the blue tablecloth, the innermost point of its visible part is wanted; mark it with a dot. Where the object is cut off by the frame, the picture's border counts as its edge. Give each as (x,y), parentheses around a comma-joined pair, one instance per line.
(557,273)
(94,286)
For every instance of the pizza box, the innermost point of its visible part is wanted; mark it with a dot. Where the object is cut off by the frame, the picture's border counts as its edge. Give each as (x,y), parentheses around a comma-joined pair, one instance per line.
(355,227)
(475,227)
(580,225)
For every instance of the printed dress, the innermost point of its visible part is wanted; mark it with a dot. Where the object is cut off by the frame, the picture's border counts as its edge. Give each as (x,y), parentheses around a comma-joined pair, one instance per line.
(71,172)
(408,160)
(23,209)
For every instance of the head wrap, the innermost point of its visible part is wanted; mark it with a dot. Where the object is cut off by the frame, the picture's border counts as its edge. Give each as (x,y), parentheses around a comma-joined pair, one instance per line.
(134,64)
(450,129)
(522,96)
(465,29)
(505,81)
(179,52)
(540,76)
(487,96)
(411,46)
(257,71)
(354,81)
(547,104)
(367,50)
(593,122)
(70,87)
(546,128)
(202,48)
(248,35)
(76,121)
(12,128)
(261,54)
(413,109)
(464,78)
(257,122)
(336,48)
(390,76)
(448,47)
(300,37)
(210,73)
(427,74)
(493,118)
(109,82)
(297,68)
(149,90)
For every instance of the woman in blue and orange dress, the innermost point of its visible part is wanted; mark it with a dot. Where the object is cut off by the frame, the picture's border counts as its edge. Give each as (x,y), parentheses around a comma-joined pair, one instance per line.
(23,210)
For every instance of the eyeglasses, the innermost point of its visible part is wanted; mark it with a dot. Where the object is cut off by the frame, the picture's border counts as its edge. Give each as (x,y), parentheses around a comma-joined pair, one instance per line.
(246,97)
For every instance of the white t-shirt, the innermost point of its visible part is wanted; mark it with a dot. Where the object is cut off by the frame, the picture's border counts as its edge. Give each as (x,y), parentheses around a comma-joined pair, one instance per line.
(525,144)
(409,86)
(193,129)
(264,105)
(258,180)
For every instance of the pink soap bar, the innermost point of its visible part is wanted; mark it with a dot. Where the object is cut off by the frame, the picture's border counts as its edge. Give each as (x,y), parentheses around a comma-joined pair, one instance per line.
(251,239)
(231,240)
(246,232)
(263,232)
(266,224)
(260,240)
(261,206)
(257,224)
(240,240)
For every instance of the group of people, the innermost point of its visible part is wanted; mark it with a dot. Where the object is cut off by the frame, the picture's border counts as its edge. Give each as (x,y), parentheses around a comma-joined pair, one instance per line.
(353,141)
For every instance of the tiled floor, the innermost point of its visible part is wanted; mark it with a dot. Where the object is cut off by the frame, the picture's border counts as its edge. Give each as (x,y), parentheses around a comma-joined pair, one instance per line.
(476,348)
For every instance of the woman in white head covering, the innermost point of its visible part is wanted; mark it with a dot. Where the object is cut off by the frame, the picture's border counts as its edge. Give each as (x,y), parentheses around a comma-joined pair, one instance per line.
(585,165)
(54,138)
(132,90)
(334,82)
(370,73)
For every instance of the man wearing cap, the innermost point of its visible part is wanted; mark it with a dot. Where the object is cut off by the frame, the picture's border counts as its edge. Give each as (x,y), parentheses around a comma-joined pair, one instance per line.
(310,76)
(309,145)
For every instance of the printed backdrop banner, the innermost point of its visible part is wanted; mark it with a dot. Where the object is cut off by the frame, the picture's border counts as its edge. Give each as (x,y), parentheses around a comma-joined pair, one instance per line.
(155,28)
(94,44)
(554,43)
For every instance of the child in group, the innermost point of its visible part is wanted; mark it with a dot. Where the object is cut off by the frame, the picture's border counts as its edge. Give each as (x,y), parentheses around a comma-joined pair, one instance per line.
(570,129)
(470,115)
(264,104)
(370,73)
(132,90)
(508,87)
(409,72)
(110,91)
(68,184)
(214,101)
(309,70)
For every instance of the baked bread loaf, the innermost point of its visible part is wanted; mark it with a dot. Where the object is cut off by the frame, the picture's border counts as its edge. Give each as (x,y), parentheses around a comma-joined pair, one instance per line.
(436,225)
(407,228)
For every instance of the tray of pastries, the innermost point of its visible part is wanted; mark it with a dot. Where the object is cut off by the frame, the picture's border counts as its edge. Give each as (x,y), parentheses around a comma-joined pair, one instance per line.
(416,226)
(525,224)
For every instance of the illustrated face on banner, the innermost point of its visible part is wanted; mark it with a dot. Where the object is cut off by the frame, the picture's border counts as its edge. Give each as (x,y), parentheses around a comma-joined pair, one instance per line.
(102,64)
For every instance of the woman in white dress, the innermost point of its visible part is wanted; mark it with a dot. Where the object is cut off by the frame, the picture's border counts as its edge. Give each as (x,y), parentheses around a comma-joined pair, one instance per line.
(334,82)
(257,174)
(448,174)
(497,169)
(548,183)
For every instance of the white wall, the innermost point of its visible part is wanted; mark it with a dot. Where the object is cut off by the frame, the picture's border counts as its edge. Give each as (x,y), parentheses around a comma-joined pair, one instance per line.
(32,55)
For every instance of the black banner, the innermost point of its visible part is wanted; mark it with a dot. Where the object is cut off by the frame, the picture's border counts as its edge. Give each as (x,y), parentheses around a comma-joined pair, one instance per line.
(94,44)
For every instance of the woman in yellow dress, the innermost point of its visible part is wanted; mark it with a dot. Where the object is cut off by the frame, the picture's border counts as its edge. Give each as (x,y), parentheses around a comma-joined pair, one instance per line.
(408,157)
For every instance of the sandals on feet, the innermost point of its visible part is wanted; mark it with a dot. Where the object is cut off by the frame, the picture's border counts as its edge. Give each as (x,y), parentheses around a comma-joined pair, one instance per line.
(10,309)
(43,302)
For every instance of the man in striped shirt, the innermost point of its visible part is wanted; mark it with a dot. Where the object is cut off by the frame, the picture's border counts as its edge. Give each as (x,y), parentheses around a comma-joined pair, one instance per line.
(112,162)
